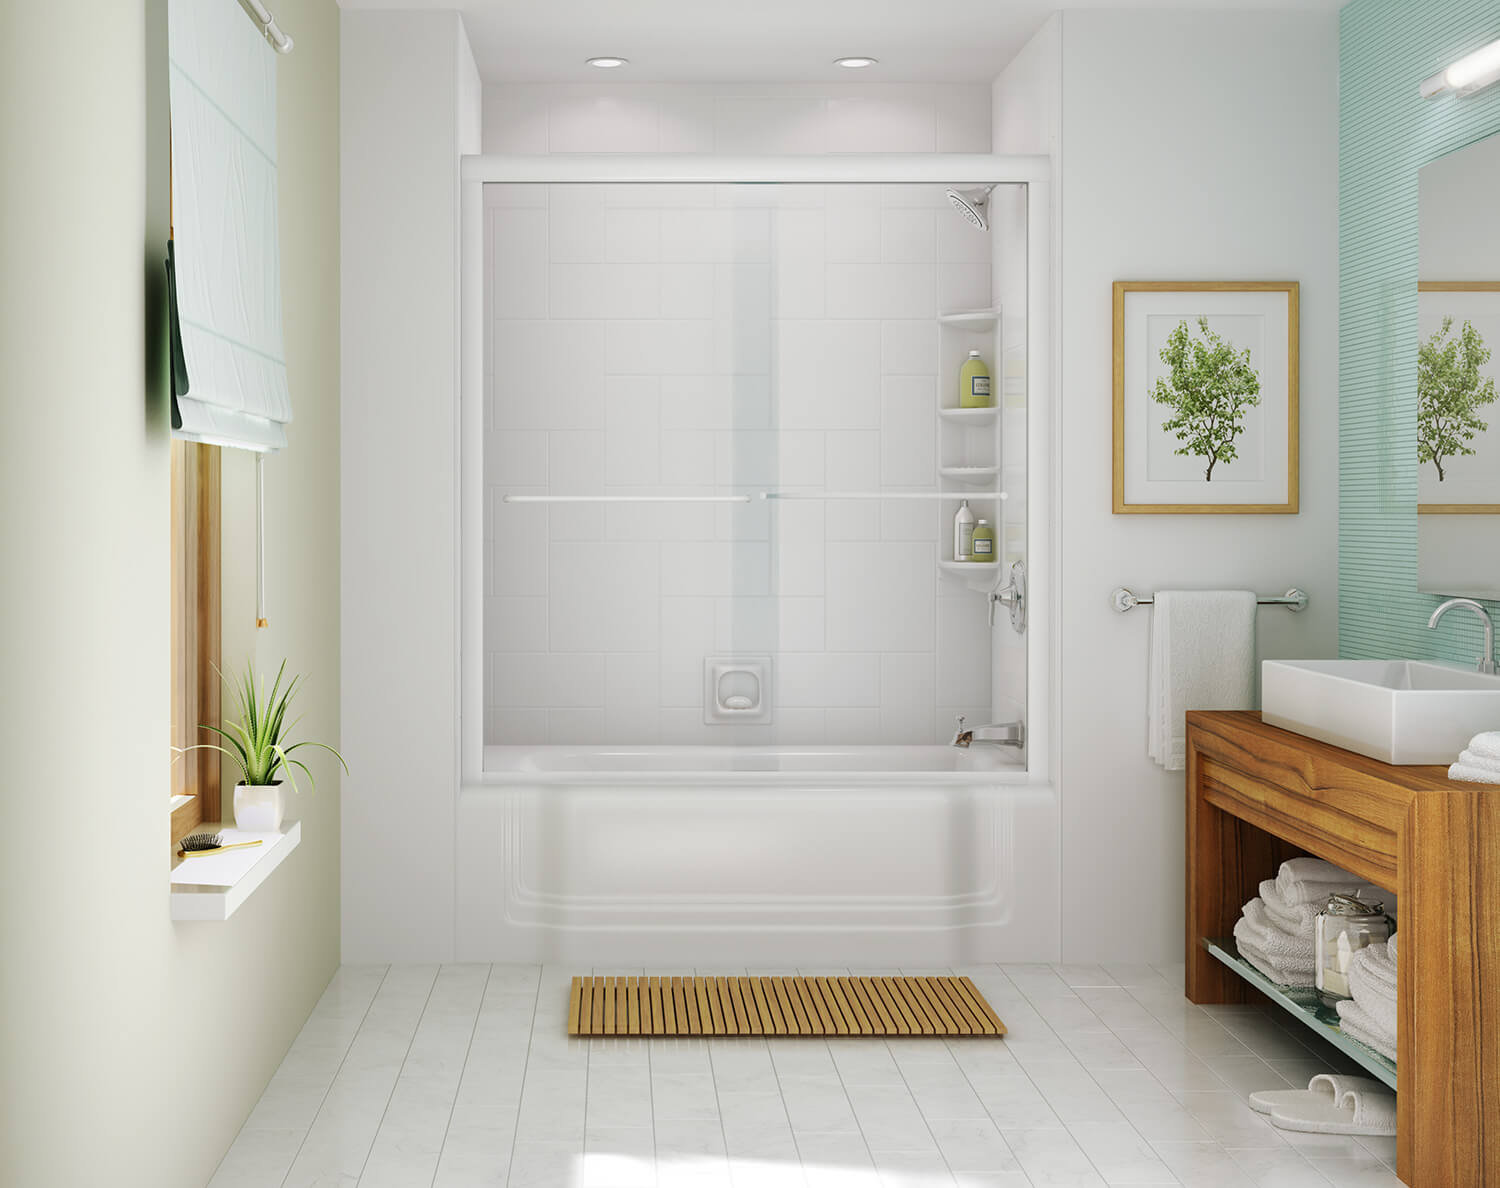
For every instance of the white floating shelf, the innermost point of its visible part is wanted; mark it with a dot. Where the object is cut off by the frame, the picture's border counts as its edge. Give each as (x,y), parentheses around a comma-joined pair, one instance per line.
(972,475)
(971,319)
(213,886)
(969,416)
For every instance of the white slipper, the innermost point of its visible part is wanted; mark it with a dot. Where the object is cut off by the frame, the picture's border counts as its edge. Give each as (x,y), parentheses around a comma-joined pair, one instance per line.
(1332,1104)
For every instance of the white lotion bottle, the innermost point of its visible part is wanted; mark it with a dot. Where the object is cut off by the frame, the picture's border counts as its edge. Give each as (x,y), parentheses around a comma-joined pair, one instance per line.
(963,533)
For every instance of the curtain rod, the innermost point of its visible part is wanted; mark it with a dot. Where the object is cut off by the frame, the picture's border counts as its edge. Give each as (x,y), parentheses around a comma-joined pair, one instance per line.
(272,32)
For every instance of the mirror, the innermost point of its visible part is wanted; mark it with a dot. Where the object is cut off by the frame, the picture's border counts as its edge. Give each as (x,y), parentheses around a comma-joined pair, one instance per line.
(1458,374)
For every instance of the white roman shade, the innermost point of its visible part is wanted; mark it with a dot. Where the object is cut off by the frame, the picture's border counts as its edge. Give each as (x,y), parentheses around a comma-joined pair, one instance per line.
(229,382)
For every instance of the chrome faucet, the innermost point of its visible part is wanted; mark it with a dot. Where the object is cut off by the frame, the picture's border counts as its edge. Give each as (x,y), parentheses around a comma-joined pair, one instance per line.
(1487,660)
(1010,734)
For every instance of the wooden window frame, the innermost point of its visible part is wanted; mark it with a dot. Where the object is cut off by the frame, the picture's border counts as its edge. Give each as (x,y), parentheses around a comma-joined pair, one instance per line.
(196,580)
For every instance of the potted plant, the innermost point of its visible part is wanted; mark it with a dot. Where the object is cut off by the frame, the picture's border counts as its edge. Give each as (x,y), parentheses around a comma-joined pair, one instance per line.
(257,737)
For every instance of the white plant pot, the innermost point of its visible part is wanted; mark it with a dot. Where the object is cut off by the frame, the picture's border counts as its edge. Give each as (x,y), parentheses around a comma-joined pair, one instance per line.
(258,807)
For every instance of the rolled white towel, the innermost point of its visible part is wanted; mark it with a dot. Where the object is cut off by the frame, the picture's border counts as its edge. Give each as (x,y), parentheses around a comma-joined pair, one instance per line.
(1312,881)
(1355,1020)
(1271,938)
(1486,745)
(1473,775)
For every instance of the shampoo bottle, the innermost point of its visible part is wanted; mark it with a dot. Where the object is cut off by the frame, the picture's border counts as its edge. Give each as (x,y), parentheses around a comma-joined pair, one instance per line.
(983,542)
(963,533)
(974,383)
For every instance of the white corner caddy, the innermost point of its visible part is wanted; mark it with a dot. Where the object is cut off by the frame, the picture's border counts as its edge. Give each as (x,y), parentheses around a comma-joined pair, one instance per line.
(213,886)
(966,459)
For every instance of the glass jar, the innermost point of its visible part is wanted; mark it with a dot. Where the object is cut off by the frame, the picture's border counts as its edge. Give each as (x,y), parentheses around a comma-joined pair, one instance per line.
(1344,927)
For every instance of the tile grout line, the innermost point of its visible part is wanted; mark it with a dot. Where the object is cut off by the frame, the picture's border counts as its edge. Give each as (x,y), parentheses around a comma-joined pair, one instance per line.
(781,1093)
(1067,1129)
(368,1007)
(397,1082)
(900,1072)
(479,1010)
(541,971)
(718,1109)
(1208,1015)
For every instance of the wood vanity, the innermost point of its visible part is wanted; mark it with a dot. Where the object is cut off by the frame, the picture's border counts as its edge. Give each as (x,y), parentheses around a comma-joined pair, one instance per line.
(1257,795)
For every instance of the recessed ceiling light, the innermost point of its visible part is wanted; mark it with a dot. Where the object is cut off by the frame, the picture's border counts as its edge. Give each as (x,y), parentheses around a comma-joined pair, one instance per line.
(608,63)
(855,63)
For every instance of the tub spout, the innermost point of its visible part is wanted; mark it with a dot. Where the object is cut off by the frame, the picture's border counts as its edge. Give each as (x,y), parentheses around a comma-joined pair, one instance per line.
(996,734)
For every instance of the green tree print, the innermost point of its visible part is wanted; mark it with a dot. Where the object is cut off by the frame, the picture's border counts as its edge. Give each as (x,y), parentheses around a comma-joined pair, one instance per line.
(1210,387)
(1449,390)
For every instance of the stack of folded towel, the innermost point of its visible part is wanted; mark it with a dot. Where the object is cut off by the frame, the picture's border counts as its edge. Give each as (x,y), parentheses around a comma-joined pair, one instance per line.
(1370,1016)
(1480,761)
(1275,933)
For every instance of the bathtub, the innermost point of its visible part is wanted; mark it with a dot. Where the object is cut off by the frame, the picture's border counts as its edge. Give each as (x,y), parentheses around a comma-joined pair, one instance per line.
(756,856)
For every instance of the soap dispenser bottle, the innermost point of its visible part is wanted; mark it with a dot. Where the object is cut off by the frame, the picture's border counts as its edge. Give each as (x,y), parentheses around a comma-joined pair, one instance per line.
(963,533)
(974,383)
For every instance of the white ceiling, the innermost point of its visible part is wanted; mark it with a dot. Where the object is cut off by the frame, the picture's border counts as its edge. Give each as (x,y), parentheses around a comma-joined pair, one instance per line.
(762,40)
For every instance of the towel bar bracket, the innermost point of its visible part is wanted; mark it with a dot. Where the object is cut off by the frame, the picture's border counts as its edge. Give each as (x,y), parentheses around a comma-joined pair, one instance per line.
(1123,599)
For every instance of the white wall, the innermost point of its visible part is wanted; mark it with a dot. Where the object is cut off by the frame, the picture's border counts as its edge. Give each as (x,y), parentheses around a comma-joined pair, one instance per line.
(1192,146)
(736,118)
(133,1047)
(711,340)
(408,98)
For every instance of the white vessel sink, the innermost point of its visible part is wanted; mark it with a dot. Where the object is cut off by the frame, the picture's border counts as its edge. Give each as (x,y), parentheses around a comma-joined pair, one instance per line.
(1399,711)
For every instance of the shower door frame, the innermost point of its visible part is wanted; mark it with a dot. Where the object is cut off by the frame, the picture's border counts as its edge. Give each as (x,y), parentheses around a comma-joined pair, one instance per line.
(1033,172)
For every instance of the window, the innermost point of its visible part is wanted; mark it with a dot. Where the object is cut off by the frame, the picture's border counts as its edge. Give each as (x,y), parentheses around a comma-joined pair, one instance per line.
(195,633)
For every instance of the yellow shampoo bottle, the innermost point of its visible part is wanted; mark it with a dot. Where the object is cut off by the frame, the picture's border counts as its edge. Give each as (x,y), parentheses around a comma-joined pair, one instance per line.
(984,542)
(974,383)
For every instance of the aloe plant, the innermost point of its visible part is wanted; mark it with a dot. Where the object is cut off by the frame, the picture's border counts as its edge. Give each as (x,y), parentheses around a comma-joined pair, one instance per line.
(260,729)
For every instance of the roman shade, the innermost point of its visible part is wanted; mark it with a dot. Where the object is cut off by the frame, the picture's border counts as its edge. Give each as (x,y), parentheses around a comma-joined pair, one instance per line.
(229,370)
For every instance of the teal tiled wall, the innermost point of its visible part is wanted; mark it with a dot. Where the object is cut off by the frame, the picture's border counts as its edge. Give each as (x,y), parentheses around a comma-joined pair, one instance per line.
(1387,132)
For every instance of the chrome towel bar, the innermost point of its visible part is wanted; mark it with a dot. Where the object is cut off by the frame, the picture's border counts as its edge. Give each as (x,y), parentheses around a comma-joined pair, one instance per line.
(1294,599)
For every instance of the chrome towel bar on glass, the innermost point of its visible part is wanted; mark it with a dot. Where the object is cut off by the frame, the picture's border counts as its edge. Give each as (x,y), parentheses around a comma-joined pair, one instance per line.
(1294,599)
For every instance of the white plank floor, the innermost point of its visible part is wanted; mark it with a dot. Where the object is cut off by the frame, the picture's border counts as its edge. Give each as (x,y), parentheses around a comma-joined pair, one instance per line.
(462,1076)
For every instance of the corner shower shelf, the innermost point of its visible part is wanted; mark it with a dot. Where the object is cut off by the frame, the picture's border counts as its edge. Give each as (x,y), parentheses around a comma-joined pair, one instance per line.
(969,567)
(1304,1005)
(970,319)
(969,416)
(970,475)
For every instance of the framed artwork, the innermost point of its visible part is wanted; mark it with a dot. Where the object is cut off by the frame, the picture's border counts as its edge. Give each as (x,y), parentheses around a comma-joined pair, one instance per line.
(1458,405)
(1205,397)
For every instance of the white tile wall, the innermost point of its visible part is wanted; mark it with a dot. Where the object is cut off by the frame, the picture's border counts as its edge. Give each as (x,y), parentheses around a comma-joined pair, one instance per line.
(718,339)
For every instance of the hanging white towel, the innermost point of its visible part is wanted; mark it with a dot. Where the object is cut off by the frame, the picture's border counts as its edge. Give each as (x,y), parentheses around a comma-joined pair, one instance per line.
(1202,657)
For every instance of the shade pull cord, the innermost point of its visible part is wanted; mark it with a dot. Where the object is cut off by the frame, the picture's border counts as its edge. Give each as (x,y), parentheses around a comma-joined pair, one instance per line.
(260,541)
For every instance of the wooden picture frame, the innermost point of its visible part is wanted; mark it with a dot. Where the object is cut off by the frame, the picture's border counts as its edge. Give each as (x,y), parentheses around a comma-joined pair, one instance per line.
(1455,509)
(1134,436)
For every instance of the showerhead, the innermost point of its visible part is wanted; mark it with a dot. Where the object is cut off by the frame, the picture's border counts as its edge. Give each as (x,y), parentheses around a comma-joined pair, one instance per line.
(972,204)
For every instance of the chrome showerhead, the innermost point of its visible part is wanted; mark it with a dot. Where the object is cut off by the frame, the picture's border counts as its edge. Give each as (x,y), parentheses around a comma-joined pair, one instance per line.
(972,204)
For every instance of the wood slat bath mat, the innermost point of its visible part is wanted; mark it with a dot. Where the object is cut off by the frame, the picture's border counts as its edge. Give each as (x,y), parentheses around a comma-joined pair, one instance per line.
(780,1007)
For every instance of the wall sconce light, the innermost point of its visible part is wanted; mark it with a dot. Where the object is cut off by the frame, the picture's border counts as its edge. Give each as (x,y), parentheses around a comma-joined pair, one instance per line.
(1469,74)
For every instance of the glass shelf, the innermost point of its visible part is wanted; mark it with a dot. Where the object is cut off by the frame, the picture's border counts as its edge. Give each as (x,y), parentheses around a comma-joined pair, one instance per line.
(1303,1004)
